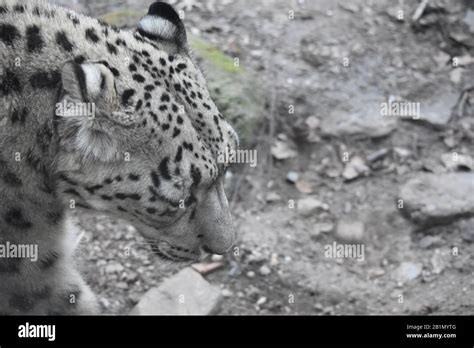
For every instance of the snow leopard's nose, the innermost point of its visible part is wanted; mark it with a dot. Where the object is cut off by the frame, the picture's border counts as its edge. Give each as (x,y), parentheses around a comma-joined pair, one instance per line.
(214,221)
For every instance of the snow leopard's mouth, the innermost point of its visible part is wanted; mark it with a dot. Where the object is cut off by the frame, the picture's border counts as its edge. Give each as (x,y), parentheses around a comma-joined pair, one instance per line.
(168,252)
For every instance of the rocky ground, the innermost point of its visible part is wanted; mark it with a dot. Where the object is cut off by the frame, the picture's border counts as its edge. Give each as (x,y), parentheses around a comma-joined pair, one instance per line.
(307,94)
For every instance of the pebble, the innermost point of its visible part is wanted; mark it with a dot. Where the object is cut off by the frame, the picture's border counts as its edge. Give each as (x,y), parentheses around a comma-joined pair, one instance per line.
(227,293)
(292,177)
(310,205)
(264,270)
(251,274)
(282,150)
(355,168)
(407,271)
(321,227)
(272,197)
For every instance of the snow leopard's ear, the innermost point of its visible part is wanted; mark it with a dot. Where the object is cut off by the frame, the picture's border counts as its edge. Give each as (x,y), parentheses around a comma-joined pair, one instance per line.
(87,99)
(89,82)
(163,23)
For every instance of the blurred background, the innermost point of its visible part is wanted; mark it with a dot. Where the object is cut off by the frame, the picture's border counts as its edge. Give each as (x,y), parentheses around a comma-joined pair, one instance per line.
(304,83)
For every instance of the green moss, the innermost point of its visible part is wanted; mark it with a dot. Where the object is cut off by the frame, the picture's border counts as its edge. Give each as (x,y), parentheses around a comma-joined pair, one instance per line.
(213,54)
(121,16)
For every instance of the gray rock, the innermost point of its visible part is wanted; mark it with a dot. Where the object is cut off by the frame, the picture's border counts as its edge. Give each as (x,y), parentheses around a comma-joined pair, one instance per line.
(363,122)
(438,110)
(310,205)
(430,199)
(322,227)
(350,231)
(355,168)
(430,241)
(407,271)
(185,293)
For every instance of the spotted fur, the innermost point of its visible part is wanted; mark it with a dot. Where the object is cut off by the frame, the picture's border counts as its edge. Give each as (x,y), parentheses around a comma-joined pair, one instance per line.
(147,154)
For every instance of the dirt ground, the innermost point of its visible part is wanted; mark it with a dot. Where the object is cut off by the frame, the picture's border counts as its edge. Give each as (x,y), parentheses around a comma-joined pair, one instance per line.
(279,266)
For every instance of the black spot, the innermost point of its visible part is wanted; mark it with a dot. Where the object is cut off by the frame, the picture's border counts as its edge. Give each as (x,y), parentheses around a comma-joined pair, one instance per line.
(120,195)
(3,9)
(188,146)
(162,62)
(92,189)
(151,210)
(34,41)
(196,175)
(79,59)
(72,192)
(44,136)
(114,71)
(49,260)
(165,126)
(14,217)
(118,178)
(10,83)
(19,115)
(165,97)
(45,79)
(163,107)
(12,179)
(176,132)
(111,48)
(149,88)
(19,8)
(139,105)
(91,35)
(63,41)
(106,198)
(138,78)
(179,120)
(155,179)
(127,94)
(63,177)
(147,96)
(120,208)
(134,177)
(182,66)
(132,67)
(164,170)
(120,42)
(179,154)
(55,216)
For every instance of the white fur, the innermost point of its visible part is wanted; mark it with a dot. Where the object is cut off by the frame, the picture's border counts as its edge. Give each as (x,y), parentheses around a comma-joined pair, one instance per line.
(93,79)
(158,26)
